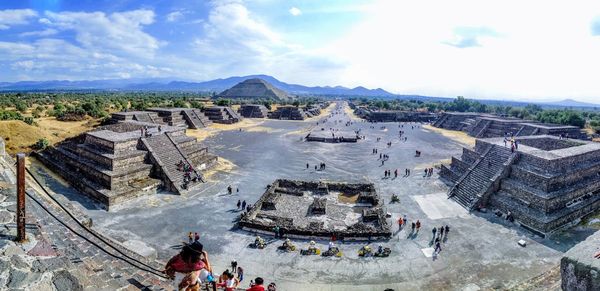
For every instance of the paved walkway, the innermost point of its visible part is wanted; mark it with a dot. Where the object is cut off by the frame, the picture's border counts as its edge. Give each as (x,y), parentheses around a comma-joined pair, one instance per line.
(54,258)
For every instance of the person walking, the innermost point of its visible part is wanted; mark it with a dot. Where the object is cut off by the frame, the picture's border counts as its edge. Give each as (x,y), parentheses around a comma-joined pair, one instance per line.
(234,266)
(447,229)
(433,231)
(244,205)
(438,247)
(229,190)
(239,203)
(413,227)
(418,225)
(400,223)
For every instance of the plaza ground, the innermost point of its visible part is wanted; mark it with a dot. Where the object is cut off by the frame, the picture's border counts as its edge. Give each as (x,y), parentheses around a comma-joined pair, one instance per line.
(481,251)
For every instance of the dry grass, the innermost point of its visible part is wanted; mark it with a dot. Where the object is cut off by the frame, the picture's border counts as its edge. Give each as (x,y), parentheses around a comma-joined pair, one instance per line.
(223,166)
(20,136)
(458,136)
(247,124)
(350,113)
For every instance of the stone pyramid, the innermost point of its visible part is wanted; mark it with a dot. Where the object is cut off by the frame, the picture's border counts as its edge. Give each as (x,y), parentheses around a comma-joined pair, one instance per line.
(254,88)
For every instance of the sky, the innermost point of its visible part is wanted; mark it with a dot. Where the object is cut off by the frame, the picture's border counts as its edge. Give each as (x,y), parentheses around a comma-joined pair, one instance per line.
(514,50)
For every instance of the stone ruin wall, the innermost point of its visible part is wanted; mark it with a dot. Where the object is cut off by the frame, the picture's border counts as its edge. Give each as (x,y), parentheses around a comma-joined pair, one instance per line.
(313,229)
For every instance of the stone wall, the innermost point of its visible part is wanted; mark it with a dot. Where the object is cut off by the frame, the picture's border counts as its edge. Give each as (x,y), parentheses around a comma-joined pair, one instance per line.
(579,270)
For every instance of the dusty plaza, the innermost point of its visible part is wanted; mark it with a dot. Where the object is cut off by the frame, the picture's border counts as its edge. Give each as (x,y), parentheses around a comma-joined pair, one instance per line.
(480,252)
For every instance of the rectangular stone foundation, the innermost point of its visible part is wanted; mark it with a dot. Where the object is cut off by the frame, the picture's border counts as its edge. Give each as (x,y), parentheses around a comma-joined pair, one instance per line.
(319,209)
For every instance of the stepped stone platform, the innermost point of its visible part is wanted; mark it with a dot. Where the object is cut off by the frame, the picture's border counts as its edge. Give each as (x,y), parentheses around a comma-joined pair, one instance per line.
(319,209)
(183,117)
(115,163)
(486,125)
(312,111)
(253,111)
(396,116)
(548,182)
(322,135)
(289,113)
(222,114)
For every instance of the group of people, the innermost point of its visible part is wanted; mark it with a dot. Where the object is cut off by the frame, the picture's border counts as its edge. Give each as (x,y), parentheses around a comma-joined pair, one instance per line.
(438,236)
(187,170)
(428,172)
(190,269)
(241,204)
(319,167)
(514,144)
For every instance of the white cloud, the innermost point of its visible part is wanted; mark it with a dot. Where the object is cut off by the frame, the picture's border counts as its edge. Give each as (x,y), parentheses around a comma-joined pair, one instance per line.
(119,33)
(45,32)
(541,50)
(237,42)
(174,16)
(295,11)
(12,17)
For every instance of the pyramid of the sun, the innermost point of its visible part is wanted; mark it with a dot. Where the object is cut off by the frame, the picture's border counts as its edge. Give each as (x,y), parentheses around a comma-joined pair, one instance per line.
(254,88)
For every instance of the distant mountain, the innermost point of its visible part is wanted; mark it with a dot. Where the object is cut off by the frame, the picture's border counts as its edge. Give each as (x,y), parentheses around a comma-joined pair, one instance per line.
(570,103)
(254,88)
(216,85)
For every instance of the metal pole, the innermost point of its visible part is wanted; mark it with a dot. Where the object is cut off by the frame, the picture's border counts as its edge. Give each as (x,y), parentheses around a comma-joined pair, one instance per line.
(21,197)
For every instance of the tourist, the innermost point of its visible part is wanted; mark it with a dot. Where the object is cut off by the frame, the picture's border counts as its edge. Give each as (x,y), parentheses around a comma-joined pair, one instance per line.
(256,285)
(438,247)
(441,231)
(405,219)
(233,266)
(447,230)
(418,225)
(230,283)
(229,190)
(307,166)
(433,231)
(272,287)
(190,237)
(196,237)
(396,173)
(244,205)
(240,273)
(412,227)
(238,204)
(189,268)
(400,223)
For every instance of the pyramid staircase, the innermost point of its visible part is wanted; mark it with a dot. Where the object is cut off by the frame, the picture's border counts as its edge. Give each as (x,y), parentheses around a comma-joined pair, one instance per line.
(483,175)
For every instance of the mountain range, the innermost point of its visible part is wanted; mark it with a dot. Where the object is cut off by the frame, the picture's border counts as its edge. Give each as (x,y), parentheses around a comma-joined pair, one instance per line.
(217,85)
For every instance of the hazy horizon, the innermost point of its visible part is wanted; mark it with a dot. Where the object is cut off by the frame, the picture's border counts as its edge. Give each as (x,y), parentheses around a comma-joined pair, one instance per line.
(505,50)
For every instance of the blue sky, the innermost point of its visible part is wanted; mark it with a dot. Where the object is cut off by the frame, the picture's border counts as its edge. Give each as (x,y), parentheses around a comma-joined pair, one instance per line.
(533,50)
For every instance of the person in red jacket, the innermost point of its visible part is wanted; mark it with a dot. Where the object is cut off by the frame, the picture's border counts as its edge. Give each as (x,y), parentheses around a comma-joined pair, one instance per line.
(258,285)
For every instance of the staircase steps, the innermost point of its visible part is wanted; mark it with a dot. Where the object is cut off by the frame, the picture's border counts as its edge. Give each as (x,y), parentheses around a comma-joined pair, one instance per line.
(478,178)
(167,155)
